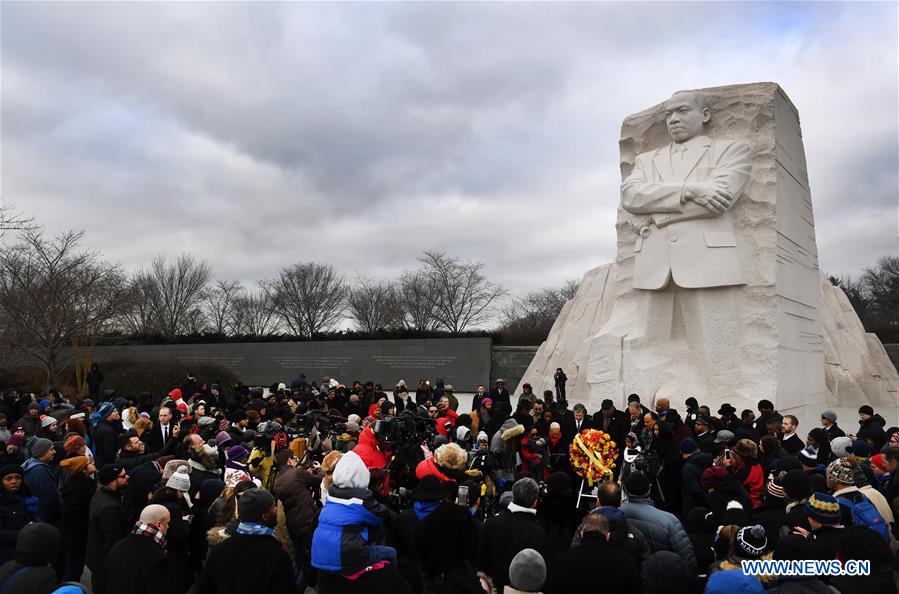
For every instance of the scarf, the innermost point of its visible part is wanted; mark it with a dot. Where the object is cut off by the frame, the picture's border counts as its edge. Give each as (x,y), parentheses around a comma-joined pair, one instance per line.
(149,531)
(424,508)
(254,529)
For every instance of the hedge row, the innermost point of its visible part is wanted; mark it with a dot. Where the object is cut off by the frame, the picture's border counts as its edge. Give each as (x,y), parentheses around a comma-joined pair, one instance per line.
(124,376)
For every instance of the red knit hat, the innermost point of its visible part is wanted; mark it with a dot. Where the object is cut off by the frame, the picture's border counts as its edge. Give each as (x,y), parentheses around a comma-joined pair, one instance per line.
(879,462)
(73,444)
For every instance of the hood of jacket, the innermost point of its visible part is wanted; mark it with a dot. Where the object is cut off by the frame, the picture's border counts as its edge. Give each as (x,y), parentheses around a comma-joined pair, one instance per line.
(31,463)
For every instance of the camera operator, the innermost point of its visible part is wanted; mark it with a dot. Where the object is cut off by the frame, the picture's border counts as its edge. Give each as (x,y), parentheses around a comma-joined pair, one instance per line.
(375,453)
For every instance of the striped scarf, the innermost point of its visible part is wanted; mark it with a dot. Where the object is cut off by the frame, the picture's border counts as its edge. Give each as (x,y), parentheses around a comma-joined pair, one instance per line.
(254,529)
(153,532)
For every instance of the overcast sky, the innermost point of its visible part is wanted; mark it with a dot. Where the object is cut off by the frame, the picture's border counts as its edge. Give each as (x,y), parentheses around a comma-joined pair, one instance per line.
(260,135)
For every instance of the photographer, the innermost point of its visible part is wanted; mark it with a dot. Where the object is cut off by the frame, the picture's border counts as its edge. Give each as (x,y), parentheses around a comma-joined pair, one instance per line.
(447,464)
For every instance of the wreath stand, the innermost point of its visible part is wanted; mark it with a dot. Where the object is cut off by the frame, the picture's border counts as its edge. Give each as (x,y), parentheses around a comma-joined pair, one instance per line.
(591,494)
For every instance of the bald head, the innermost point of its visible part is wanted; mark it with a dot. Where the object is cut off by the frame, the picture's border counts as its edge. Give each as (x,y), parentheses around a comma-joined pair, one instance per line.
(156,515)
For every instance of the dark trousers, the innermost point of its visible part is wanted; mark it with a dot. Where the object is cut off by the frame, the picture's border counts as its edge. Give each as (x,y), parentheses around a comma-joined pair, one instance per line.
(98,580)
(74,566)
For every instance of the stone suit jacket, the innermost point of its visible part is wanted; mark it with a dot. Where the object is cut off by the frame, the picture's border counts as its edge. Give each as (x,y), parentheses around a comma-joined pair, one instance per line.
(682,240)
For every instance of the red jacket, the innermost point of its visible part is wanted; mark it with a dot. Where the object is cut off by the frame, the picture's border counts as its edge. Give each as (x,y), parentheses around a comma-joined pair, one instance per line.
(368,450)
(754,483)
(429,466)
(449,415)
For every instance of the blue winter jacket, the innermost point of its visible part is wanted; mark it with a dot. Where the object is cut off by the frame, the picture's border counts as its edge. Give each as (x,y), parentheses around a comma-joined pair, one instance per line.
(42,483)
(340,542)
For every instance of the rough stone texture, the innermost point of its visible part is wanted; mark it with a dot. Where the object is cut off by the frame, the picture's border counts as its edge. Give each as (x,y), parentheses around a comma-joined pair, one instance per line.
(568,343)
(600,337)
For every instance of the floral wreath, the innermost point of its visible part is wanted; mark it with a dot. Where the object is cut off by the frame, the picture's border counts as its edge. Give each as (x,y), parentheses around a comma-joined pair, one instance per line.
(593,455)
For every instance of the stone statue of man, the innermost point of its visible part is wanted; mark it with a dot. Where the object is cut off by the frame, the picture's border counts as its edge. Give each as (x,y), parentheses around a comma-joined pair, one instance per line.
(686,256)
(687,189)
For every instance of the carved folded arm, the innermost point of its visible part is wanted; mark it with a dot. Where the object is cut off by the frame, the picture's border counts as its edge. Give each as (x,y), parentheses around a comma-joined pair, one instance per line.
(640,196)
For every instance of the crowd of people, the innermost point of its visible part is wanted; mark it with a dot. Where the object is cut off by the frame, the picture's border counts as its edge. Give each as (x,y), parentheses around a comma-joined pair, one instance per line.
(350,488)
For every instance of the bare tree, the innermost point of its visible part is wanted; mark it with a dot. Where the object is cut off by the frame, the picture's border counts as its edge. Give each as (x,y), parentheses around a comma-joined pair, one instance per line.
(253,314)
(219,303)
(308,297)
(54,296)
(10,220)
(535,313)
(416,302)
(461,296)
(169,296)
(374,305)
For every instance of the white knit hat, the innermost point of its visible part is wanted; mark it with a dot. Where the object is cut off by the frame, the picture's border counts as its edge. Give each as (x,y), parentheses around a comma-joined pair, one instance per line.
(180,481)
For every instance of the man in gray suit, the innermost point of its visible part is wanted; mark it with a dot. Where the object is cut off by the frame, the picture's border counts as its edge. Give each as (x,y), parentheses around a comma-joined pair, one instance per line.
(687,260)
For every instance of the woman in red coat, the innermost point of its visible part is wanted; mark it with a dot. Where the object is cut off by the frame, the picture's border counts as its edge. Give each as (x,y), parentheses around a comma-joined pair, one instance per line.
(744,465)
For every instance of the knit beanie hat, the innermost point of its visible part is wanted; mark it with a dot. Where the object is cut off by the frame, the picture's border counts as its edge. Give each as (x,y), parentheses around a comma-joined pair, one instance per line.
(75,464)
(47,421)
(865,409)
(841,446)
(40,447)
(221,438)
(33,406)
(879,462)
(180,480)
(11,469)
(637,485)
(252,504)
(237,453)
(824,508)
(797,485)
(351,472)
(829,415)
(528,570)
(861,448)
(841,472)
(105,410)
(808,456)
(205,421)
(751,542)
(666,571)
(16,440)
(109,473)
(72,444)
(775,489)
(482,436)
(687,445)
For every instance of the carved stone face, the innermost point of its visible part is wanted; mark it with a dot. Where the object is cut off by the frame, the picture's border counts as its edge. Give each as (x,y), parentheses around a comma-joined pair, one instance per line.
(685,117)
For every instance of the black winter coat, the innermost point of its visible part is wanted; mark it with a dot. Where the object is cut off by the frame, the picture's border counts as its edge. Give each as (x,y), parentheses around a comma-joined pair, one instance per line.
(872,429)
(106,526)
(13,517)
(503,537)
(76,496)
(151,574)
(106,441)
(37,579)
(693,493)
(178,538)
(594,552)
(461,579)
(402,538)
(244,564)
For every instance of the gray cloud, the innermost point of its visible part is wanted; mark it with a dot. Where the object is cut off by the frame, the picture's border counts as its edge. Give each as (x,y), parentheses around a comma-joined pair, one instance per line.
(257,135)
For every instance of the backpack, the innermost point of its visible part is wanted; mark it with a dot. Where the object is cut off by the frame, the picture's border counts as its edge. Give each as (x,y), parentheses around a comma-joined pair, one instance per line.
(865,514)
